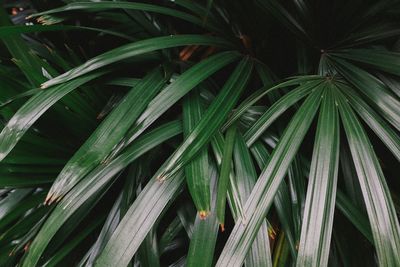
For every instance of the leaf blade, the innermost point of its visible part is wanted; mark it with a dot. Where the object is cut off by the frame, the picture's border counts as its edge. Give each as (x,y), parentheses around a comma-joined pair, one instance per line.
(134,49)
(31,111)
(196,171)
(263,193)
(108,134)
(212,119)
(223,180)
(90,188)
(321,194)
(384,224)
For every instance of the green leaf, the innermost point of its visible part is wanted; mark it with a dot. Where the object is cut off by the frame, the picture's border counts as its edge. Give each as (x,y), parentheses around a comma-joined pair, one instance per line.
(86,193)
(256,96)
(259,254)
(176,90)
(196,171)
(135,49)
(277,109)
(98,6)
(371,33)
(20,51)
(212,119)
(205,231)
(11,201)
(109,226)
(138,221)
(108,134)
(353,214)
(380,59)
(234,198)
(321,191)
(121,204)
(281,252)
(388,136)
(388,105)
(57,258)
(281,200)
(392,82)
(29,203)
(264,191)
(24,224)
(7,31)
(381,212)
(226,167)
(31,111)
(147,254)
(170,234)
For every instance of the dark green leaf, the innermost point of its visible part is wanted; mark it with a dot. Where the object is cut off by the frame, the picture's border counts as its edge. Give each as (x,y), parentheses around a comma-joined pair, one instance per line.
(381,212)
(196,171)
(226,168)
(317,223)
(135,49)
(263,193)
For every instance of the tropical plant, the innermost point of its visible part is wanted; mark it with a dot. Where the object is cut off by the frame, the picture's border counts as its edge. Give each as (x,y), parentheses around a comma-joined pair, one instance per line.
(130,131)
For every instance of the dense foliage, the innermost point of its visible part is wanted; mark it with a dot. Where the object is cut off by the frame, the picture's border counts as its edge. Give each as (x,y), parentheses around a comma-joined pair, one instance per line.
(200,133)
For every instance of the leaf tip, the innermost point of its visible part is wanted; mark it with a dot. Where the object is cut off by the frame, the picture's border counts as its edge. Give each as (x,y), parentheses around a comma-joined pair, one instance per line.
(51,198)
(271,232)
(203,214)
(27,245)
(222,226)
(46,201)
(161,178)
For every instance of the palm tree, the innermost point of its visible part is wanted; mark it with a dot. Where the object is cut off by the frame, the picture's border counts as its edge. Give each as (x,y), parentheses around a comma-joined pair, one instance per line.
(127,126)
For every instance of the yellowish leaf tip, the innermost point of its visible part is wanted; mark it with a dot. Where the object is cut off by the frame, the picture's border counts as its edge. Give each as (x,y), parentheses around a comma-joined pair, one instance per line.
(203,214)
(271,233)
(222,226)
(46,201)
(160,178)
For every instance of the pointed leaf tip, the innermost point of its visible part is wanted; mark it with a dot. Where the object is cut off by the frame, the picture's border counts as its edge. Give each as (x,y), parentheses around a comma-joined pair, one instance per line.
(203,214)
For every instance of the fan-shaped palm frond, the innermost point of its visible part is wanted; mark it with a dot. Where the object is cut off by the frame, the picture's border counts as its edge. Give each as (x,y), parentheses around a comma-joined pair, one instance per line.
(126,128)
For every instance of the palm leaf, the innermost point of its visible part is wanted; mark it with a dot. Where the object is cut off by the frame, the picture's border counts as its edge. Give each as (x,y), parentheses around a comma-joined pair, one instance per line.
(262,195)
(380,208)
(321,193)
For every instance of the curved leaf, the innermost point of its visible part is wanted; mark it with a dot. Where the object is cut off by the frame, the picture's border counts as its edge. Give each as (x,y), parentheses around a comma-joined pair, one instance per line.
(135,49)
(277,109)
(108,134)
(86,194)
(212,119)
(321,193)
(176,90)
(31,111)
(264,191)
(196,171)
(381,212)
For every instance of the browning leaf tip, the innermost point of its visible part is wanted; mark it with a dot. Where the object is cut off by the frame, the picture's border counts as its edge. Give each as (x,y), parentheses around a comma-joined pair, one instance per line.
(203,214)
